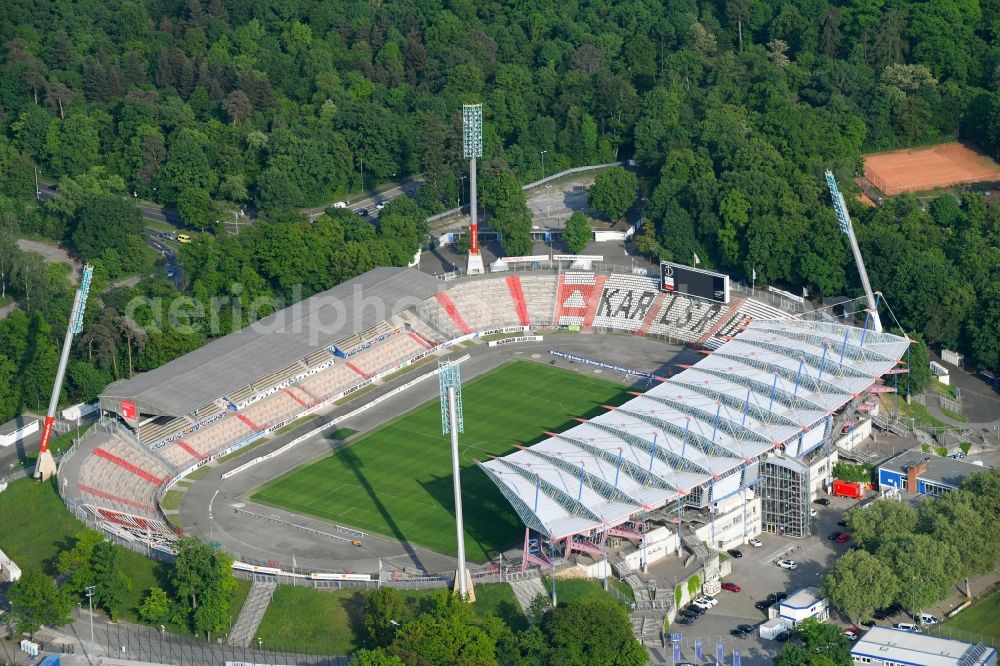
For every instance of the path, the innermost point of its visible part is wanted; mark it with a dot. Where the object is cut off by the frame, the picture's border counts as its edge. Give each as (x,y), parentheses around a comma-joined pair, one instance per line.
(51,253)
(252,613)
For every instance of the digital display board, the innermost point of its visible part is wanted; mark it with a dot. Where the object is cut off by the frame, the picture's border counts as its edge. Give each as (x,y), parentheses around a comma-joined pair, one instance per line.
(680,279)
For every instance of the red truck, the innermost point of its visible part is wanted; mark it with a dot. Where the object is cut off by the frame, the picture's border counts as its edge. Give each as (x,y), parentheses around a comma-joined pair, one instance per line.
(853,489)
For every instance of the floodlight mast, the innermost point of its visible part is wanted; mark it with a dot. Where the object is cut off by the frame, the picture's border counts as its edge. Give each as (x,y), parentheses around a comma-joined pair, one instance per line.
(472,148)
(844,219)
(450,384)
(45,466)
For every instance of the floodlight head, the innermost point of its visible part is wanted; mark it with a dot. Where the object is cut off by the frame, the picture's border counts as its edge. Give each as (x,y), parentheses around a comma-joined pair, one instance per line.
(472,130)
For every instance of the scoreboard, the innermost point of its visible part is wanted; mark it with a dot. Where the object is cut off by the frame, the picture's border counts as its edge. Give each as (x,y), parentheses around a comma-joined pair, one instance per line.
(680,279)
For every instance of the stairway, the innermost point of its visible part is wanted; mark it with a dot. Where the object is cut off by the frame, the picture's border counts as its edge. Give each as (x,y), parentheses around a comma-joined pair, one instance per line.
(252,613)
(526,590)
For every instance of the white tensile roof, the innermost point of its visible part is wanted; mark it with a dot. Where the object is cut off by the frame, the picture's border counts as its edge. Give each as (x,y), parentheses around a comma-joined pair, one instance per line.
(772,385)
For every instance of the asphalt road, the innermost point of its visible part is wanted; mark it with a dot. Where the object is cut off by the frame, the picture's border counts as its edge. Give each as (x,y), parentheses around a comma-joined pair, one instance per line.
(409,188)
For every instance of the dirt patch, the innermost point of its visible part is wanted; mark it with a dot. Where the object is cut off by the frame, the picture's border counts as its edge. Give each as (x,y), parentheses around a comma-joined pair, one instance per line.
(920,169)
(866,200)
(52,254)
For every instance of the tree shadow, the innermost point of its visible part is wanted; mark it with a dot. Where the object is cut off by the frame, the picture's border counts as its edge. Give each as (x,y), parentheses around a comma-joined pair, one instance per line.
(355,605)
(352,462)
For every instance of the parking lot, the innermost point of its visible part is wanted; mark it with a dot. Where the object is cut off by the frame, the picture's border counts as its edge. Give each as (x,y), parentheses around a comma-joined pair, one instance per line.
(758,575)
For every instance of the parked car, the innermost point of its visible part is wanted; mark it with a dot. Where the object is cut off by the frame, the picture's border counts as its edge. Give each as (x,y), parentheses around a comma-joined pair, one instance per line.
(926,618)
(762,605)
(853,632)
(380,205)
(834,536)
(780,596)
(756,543)
(841,523)
(843,538)
(823,501)
(684,620)
(748,628)
(340,204)
(910,627)
(788,564)
(783,637)
(732,587)
(705,602)
(687,612)
(738,633)
(697,610)
(958,455)
(734,553)
(869,623)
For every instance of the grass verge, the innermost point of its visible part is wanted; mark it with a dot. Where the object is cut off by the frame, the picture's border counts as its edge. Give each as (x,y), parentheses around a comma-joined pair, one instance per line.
(979,621)
(396,481)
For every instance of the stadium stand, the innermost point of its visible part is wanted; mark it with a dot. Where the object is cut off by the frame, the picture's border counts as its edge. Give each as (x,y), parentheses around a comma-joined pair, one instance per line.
(452,310)
(684,318)
(625,301)
(579,294)
(540,298)
(484,303)
(388,354)
(739,316)
(330,382)
(517,295)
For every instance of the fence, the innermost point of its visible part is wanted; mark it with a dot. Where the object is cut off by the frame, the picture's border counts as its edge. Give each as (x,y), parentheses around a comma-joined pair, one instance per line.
(139,643)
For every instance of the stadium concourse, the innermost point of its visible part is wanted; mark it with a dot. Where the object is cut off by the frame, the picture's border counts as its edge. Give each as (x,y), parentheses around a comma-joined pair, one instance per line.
(767,393)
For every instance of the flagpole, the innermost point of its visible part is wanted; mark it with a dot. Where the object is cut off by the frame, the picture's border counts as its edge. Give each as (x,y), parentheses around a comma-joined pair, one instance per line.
(753,283)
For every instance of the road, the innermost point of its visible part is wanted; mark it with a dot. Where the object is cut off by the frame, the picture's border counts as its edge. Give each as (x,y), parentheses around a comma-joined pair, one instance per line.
(408,188)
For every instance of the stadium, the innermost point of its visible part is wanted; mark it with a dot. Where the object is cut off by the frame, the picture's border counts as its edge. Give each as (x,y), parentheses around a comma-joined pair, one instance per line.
(734,443)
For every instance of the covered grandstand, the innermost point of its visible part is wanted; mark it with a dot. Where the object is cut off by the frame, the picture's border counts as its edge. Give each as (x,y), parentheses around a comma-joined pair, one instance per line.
(685,443)
(699,437)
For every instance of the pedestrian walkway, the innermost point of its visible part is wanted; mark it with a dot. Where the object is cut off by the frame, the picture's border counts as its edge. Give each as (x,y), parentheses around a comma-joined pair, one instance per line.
(526,590)
(252,613)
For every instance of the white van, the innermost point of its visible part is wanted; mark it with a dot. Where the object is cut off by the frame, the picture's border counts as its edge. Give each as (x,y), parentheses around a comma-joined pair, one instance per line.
(340,204)
(926,618)
(909,626)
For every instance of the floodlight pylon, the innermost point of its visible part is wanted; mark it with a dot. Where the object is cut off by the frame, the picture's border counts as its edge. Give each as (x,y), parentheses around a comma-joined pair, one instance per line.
(450,384)
(45,466)
(472,148)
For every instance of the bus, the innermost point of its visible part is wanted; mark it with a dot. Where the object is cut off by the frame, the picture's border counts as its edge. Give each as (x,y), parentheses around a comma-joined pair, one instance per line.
(183,238)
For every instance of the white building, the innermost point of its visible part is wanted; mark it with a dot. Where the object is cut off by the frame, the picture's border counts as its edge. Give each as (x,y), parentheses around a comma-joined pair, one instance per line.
(880,646)
(804,604)
(733,521)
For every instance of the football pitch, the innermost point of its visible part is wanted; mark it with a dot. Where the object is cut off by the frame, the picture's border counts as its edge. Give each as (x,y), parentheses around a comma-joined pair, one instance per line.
(396,481)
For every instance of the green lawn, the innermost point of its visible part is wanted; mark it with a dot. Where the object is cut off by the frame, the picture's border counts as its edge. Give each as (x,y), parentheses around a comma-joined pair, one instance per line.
(571,590)
(331,622)
(979,622)
(397,480)
(34,523)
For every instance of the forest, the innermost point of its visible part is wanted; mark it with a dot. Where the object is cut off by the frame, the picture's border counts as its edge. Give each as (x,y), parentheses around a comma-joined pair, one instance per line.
(731,109)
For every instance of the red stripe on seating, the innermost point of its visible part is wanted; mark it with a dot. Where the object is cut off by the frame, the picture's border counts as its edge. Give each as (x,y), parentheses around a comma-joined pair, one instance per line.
(734,308)
(514,286)
(357,369)
(190,449)
(594,300)
(420,341)
(654,310)
(309,393)
(250,424)
(124,464)
(114,498)
(295,397)
(452,310)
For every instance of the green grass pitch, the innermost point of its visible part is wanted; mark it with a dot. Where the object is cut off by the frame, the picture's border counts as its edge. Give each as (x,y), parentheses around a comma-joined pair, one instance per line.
(396,481)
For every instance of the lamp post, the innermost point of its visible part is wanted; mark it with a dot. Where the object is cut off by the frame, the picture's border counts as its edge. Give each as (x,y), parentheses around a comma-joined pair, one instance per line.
(90,602)
(542,153)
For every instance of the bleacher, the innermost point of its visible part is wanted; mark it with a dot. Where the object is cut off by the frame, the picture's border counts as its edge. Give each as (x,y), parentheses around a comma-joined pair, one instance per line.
(352,342)
(577,296)
(409,319)
(685,318)
(625,302)
(539,297)
(388,354)
(485,303)
(120,476)
(330,381)
(433,314)
(155,430)
(270,410)
(218,436)
(745,311)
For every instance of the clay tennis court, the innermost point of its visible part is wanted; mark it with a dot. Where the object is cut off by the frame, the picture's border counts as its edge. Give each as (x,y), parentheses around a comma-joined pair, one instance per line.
(920,169)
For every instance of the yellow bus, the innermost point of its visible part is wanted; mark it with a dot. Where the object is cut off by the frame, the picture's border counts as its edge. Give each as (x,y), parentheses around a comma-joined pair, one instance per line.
(183,238)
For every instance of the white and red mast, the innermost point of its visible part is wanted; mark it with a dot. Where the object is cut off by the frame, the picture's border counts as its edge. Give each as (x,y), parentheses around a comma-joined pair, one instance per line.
(45,466)
(472,148)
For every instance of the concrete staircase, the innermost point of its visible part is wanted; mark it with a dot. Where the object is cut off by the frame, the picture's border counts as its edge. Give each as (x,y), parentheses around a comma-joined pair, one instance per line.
(526,590)
(252,613)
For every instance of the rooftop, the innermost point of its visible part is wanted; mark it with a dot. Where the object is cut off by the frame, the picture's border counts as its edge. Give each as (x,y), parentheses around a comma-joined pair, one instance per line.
(887,644)
(274,342)
(940,469)
(804,598)
(774,385)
